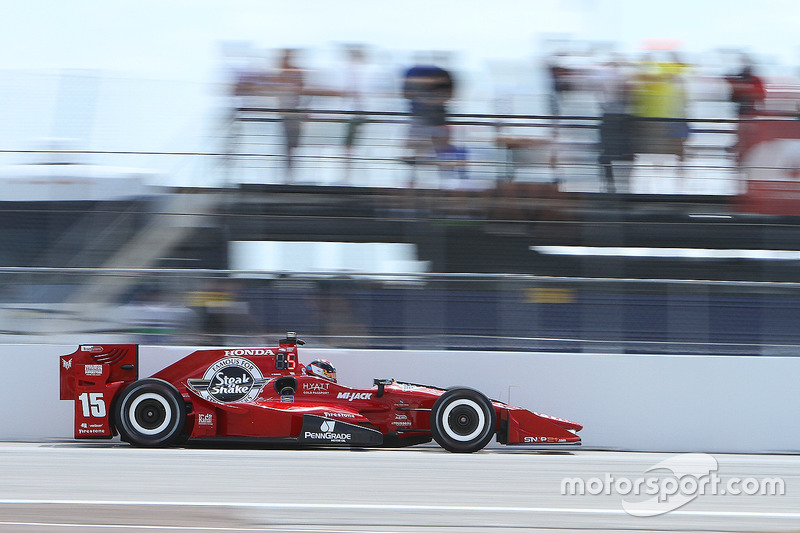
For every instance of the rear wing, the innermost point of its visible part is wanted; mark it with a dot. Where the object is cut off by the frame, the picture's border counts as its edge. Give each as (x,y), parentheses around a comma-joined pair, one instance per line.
(91,377)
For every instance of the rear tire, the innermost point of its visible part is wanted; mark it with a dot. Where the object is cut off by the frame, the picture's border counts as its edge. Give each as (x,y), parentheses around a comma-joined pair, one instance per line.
(150,413)
(463,420)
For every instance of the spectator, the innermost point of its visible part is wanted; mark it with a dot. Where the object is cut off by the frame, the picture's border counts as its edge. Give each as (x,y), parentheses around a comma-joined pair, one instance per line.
(559,75)
(674,71)
(616,135)
(289,85)
(354,93)
(747,91)
(428,89)
(660,95)
(749,95)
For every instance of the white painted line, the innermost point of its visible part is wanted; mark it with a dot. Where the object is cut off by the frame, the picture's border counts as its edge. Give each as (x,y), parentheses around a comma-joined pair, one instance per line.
(397,507)
(132,526)
(266,529)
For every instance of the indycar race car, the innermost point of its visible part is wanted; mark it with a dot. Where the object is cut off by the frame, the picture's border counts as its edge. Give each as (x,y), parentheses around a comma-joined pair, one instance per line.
(265,393)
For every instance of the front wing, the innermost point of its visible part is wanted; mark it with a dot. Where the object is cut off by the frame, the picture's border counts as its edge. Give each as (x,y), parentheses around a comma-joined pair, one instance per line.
(520,426)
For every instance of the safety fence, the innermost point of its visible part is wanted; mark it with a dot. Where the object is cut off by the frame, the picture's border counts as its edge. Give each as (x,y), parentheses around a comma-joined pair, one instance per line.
(421,311)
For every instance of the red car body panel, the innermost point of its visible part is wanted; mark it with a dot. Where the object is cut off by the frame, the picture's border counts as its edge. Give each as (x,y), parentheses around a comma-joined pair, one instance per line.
(265,393)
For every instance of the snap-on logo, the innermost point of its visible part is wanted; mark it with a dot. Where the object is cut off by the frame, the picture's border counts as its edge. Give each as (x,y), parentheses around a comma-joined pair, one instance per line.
(539,439)
(232,379)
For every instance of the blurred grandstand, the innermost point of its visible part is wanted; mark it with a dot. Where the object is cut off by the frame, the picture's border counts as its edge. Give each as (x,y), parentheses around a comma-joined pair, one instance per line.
(516,246)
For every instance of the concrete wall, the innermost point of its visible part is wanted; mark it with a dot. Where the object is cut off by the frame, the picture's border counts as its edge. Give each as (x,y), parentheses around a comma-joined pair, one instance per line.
(632,402)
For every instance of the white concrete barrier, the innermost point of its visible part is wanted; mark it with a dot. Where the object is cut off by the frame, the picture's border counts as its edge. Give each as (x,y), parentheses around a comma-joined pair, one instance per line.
(632,402)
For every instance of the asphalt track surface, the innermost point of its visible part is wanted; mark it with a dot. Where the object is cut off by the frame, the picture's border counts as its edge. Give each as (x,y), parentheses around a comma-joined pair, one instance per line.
(112,487)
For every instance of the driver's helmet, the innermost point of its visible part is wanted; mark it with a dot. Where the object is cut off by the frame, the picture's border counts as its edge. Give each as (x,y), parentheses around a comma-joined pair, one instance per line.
(322,368)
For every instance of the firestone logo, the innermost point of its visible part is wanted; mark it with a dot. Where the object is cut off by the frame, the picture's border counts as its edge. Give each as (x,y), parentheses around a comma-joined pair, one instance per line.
(350,396)
(340,415)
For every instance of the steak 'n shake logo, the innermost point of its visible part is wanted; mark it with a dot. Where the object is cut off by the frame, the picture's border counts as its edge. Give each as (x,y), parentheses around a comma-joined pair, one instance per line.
(232,379)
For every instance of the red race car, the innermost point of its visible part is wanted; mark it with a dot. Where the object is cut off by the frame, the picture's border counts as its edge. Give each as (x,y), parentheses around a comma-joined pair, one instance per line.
(265,393)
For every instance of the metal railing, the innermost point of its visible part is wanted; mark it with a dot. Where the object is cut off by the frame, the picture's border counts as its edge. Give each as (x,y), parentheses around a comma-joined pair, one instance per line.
(498,147)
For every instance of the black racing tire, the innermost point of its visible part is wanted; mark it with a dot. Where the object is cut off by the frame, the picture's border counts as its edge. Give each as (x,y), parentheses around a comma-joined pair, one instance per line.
(463,420)
(150,413)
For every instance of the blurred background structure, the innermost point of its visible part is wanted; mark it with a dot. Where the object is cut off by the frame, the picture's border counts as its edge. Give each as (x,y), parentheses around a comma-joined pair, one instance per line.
(581,195)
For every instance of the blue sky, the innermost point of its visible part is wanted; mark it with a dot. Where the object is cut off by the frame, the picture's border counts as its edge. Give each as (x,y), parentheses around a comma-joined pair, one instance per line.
(177,39)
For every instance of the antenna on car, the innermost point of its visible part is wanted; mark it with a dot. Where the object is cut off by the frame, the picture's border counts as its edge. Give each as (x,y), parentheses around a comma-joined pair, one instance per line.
(291,338)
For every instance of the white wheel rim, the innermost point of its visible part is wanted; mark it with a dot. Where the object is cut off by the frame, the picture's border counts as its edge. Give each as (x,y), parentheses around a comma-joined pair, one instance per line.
(452,434)
(150,396)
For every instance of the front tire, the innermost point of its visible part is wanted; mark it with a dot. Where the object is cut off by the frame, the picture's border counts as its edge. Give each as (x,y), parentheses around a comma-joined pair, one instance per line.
(150,413)
(463,420)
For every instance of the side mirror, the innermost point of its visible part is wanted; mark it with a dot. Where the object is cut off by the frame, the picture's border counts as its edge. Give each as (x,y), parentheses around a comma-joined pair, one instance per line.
(381,383)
